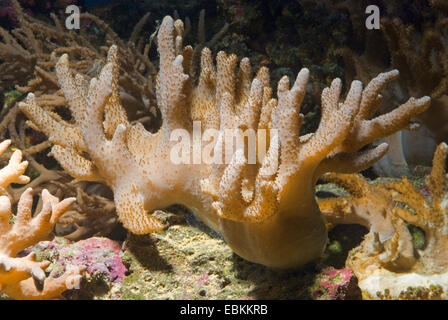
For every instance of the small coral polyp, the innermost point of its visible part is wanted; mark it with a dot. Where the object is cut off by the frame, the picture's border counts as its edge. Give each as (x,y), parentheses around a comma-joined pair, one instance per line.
(24,277)
(270,218)
(386,263)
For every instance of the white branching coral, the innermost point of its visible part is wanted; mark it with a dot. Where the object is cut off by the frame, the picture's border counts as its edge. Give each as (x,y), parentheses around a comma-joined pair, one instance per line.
(264,206)
(24,277)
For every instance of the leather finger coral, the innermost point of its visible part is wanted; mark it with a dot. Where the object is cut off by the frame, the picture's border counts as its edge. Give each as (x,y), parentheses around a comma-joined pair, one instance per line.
(264,205)
(389,263)
(24,277)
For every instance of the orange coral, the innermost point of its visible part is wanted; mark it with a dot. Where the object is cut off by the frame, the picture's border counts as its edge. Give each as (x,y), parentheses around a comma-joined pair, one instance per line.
(24,277)
(393,263)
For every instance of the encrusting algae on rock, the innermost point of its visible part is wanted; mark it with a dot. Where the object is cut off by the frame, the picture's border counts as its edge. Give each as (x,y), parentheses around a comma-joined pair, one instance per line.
(190,261)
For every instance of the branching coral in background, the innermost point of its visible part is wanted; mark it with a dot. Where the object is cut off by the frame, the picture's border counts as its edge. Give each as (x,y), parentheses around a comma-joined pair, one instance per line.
(93,213)
(19,139)
(24,277)
(392,267)
(420,51)
(266,216)
(34,47)
(430,61)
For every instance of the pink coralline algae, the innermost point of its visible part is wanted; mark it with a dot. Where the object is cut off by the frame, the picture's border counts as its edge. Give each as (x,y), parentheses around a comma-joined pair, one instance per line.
(101,257)
(336,284)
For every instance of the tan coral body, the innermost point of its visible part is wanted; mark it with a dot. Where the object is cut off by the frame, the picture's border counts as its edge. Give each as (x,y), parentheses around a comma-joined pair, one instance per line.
(266,216)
